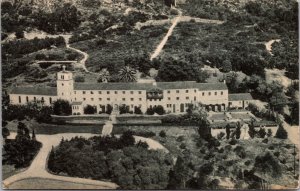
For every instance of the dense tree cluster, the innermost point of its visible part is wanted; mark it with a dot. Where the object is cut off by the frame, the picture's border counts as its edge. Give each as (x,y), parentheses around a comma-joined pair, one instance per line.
(20,151)
(32,110)
(62,107)
(180,70)
(18,48)
(130,165)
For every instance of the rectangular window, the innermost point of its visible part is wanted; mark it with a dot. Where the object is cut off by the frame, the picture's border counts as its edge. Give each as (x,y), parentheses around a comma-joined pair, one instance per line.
(108,99)
(74,92)
(203,94)
(209,93)
(140,99)
(92,92)
(186,91)
(116,92)
(195,91)
(131,99)
(99,92)
(123,99)
(123,92)
(107,92)
(75,98)
(221,93)
(20,99)
(177,98)
(177,91)
(168,91)
(187,98)
(100,99)
(140,92)
(131,92)
(84,99)
(194,98)
(27,100)
(169,98)
(92,99)
(216,93)
(83,92)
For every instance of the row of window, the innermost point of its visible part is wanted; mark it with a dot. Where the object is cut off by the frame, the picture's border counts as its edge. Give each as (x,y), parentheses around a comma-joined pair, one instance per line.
(178,91)
(209,93)
(108,92)
(108,99)
(170,105)
(34,99)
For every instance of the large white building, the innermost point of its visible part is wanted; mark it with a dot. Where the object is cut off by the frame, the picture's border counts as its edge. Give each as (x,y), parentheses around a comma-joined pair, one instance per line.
(173,96)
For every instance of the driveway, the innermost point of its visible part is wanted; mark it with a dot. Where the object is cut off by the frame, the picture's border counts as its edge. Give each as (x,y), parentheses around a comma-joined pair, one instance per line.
(38,167)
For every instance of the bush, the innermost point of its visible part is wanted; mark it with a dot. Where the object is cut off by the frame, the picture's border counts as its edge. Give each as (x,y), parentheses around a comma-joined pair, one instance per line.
(233,141)
(62,107)
(90,109)
(267,165)
(220,135)
(182,146)
(269,133)
(146,134)
(159,110)
(262,133)
(162,134)
(137,110)
(40,56)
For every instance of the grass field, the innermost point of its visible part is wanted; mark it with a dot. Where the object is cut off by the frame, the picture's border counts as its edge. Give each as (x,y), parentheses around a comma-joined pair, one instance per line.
(41,183)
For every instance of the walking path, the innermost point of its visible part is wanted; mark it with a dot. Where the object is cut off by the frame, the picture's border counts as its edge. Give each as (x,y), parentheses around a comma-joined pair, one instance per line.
(38,167)
(269,45)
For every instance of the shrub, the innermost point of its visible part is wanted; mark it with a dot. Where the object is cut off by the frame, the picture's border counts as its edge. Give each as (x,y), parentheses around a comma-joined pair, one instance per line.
(137,110)
(269,133)
(182,146)
(144,133)
(162,134)
(180,138)
(267,164)
(233,141)
(90,109)
(262,133)
(265,141)
(124,109)
(40,56)
(271,147)
(62,107)
(220,135)
(159,110)
(281,132)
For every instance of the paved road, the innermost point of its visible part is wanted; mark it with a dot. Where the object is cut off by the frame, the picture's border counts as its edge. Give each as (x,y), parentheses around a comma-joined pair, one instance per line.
(38,166)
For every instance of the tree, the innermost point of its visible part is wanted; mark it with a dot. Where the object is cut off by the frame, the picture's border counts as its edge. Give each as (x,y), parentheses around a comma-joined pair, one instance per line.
(109,109)
(150,111)
(238,130)
(181,174)
(269,133)
(20,33)
(262,133)
(159,110)
(137,110)
(227,131)
(62,107)
(179,70)
(127,74)
(104,76)
(90,109)
(226,66)
(162,134)
(252,131)
(5,132)
(124,109)
(33,136)
(281,133)
(127,139)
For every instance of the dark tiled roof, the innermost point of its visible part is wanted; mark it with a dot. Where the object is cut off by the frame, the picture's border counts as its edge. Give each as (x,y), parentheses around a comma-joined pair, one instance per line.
(112,86)
(176,85)
(240,96)
(211,86)
(49,91)
(149,86)
(77,103)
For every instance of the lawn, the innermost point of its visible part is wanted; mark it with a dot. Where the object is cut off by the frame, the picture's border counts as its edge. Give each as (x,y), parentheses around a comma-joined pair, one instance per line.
(49,129)
(9,170)
(41,183)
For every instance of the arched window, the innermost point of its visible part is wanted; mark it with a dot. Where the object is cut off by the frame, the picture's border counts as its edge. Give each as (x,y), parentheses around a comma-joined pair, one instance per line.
(42,100)
(50,100)
(27,100)
(34,99)
(20,99)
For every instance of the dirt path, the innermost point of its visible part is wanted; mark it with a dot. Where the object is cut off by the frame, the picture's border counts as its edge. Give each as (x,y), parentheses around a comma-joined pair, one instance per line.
(174,22)
(269,45)
(38,167)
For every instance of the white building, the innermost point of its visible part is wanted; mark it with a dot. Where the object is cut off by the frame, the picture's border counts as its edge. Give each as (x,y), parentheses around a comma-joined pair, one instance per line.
(240,100)
(173,96)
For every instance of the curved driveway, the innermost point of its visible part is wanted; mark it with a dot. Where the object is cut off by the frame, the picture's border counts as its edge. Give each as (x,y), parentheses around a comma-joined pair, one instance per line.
(38,167)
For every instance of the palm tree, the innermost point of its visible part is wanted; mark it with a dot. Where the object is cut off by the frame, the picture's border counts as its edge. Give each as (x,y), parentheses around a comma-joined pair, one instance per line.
(127,74)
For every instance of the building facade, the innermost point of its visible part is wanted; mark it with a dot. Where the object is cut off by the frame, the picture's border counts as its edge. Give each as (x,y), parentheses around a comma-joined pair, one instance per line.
(175,97)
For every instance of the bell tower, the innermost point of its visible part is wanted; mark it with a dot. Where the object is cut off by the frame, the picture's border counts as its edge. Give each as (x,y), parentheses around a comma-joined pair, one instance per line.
(64,84)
